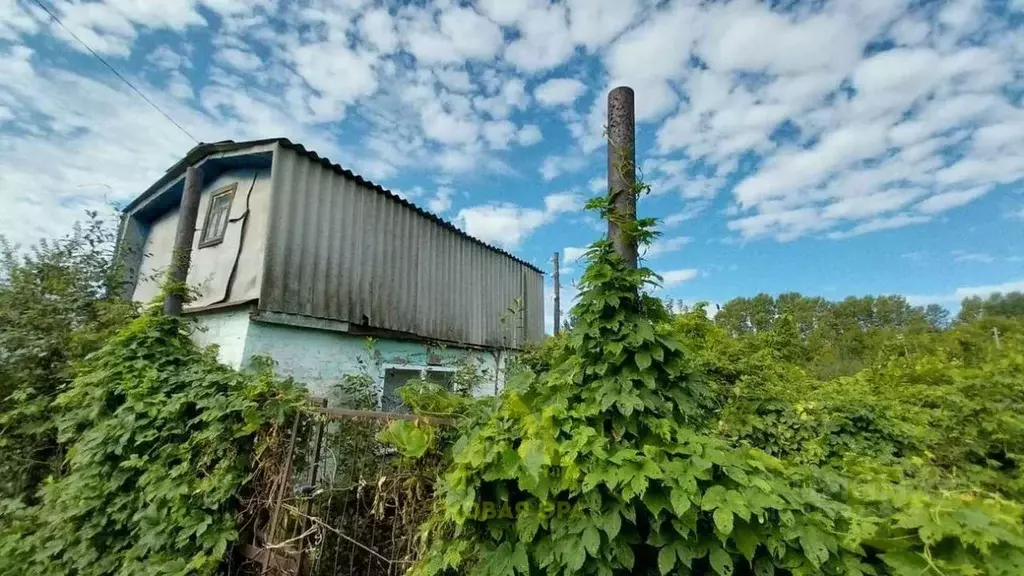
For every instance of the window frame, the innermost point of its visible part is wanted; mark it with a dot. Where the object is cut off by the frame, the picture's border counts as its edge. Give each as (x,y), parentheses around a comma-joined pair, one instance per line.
(205,239)
(421,368)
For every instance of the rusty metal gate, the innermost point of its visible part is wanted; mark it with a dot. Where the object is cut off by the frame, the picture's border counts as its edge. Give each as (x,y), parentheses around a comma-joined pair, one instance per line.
(342,503)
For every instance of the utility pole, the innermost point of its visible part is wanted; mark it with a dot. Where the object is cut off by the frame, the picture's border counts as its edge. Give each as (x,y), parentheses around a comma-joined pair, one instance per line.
(181,255)
(558,298)
(622,171)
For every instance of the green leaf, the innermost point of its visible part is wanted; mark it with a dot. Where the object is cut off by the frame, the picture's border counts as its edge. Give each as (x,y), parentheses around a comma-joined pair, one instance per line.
(721,561)
(814,548)
(520,560)
(680,501)
(658,353)
(575,556)
(592,540)
(612,523)
(723,520)
(527,524)
(666,559)
(746,540)
(764,567)
(411,440)
(643,360)
(714,497)
(906,562)
(532,453)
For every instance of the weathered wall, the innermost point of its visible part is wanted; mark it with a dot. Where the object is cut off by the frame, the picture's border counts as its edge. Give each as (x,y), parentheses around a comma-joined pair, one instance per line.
(321,358)
(228,329)
(211,266)
(340,249)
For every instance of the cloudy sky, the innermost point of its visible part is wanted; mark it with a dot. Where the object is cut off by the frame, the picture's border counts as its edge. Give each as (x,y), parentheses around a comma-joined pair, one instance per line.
(833,148)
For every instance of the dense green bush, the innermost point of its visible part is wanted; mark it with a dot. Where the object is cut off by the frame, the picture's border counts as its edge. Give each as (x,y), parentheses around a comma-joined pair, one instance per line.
(160,441)
(59,301)
(124,448)
(647,442)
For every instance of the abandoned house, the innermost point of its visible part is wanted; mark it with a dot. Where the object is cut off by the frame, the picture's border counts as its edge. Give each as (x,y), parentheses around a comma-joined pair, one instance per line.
(329,274)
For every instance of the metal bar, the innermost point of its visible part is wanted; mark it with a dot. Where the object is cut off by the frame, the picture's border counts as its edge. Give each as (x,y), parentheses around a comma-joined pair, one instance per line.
(312,481)
(385,416)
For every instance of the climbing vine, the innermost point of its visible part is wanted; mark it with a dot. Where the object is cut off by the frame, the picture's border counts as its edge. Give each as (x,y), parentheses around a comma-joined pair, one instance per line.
(161,440)
(619,450)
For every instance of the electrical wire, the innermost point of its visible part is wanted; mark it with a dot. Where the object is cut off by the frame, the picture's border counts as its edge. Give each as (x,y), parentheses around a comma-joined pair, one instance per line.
(114,70)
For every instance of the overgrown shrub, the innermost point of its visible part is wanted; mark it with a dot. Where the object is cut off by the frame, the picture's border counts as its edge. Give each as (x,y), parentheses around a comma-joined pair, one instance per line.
(643,442)
(59,301)
(160,440)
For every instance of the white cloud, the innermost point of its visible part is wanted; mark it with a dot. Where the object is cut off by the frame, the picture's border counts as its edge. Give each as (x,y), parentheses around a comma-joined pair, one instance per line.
(529,135)
(666,245)
(885,223)
(949,200)
(447,127)
(333,97)
(544,41)
(455,79)
(239,59)
(166,58)
(503,224)
(742,38)
(512,96)
(691,211)
(787,112)
(508,225)
(962,292)
(559,91)
(977,257)
(506,12)
(572,253)
(562,202)
(441,201)
(593,23)
(498,133)
(673,278)
(460,34)
(554,166)
(377,27)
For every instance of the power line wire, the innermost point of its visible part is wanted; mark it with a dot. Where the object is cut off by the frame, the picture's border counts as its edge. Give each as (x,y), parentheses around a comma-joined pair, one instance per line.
(114,70)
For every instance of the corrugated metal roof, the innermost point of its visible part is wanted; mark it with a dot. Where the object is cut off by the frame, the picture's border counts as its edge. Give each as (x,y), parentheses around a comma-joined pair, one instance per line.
(202,151)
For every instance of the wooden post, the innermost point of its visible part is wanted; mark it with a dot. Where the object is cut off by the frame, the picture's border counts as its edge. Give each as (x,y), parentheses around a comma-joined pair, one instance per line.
(181,254)
(622,170)
(558,297)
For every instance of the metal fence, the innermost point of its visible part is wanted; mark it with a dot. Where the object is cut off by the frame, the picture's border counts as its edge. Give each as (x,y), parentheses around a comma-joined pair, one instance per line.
(336,501)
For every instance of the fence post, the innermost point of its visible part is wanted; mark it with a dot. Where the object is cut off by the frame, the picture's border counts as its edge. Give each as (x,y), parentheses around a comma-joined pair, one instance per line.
(181,254)
(558,297)
(622,171)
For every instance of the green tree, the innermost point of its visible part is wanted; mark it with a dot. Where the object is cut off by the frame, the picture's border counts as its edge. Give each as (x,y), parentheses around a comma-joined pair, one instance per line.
(58,303)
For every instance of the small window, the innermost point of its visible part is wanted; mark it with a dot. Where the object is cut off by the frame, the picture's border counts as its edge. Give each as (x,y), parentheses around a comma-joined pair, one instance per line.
(217,214)
(396,377)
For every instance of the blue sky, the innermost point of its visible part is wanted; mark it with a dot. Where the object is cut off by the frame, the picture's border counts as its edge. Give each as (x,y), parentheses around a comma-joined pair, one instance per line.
(833,148)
